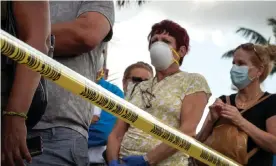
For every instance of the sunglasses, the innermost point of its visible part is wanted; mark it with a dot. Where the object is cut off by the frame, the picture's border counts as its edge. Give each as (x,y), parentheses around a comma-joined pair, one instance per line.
(137,79)
(250,47)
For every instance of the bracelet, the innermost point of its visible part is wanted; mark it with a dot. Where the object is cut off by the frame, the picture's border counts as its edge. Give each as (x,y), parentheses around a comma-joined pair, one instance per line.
(10,113)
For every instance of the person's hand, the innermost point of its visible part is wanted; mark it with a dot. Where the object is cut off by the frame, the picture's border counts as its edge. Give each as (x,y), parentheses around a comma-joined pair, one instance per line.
(135,161)
(115,163)
(215,109)
(233,114)
(95,119)
(14,147)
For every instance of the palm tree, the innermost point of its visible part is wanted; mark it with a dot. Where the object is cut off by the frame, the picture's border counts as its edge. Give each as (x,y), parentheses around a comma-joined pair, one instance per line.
(255,37)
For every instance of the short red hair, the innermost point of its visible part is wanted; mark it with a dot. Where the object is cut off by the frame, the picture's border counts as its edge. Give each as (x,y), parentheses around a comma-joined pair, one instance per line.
(175,30)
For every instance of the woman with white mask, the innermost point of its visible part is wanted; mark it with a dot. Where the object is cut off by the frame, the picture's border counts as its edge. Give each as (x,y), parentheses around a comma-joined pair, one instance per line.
(175,97)
(243,125)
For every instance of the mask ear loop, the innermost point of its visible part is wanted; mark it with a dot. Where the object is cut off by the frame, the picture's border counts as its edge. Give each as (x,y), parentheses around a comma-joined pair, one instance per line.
(257,76)
(176,61)
(252,79)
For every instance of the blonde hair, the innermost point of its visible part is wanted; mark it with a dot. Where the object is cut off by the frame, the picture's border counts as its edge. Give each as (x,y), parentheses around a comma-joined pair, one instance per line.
(137,65)
(267,55)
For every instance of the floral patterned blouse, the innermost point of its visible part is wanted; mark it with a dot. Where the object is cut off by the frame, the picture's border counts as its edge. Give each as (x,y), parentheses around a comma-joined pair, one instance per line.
(163,100)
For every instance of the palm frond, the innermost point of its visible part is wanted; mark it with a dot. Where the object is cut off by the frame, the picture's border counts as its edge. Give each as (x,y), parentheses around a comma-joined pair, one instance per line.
(228,54)
(256,38)
(123,3)
(272,22)
(114,79)
(112,74)
(273,71)
(268,40)
(253,36)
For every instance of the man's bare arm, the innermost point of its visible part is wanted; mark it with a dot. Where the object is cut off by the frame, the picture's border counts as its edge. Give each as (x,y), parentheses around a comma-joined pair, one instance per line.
(33,27)
(81,35)
(85,32)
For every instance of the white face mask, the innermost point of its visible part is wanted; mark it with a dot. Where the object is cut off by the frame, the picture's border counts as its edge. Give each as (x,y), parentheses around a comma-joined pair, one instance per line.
(161,56)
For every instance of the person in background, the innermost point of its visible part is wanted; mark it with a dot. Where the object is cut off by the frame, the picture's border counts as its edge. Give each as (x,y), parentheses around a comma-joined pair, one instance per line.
(81,29)
(137,73)
(32,21)
(274,161)
(251,66)
(175,97)
(102,122)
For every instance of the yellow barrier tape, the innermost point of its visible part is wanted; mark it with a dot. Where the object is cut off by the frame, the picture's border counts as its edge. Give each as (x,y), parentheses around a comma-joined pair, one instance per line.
(81,86)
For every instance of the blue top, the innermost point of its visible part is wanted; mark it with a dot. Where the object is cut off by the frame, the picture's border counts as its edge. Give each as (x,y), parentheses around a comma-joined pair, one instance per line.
(99,131)
(274,161)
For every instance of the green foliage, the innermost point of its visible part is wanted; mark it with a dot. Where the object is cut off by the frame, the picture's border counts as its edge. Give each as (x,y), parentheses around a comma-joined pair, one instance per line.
(255,37)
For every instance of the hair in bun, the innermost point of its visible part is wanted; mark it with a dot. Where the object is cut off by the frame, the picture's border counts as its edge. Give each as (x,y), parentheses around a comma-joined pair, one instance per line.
(267,53)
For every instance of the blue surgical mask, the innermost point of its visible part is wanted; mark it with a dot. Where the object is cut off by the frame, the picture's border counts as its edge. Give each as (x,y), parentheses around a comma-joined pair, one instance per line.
(240,77)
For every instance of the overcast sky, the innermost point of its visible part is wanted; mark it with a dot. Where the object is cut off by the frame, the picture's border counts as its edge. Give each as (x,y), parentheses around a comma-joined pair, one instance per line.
(211,26)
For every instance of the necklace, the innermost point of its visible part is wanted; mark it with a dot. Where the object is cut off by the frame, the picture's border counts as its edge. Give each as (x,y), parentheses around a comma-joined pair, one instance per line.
(243,104)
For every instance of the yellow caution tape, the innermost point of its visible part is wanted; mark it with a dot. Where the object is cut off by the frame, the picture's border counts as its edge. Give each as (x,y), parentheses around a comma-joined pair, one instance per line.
(81,86)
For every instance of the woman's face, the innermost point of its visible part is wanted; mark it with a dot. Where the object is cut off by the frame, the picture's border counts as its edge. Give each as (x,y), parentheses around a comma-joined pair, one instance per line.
(136,74)
(244,58)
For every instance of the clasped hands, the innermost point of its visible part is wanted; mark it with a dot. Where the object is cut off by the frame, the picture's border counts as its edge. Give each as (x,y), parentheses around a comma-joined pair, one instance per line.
(220,109)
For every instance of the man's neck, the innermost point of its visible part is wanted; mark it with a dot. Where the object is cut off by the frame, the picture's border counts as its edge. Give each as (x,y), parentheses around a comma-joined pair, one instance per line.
(170,71)
(250,92)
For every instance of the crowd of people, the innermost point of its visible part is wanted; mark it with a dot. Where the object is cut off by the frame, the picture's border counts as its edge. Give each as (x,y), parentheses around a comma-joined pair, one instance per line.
(241,126)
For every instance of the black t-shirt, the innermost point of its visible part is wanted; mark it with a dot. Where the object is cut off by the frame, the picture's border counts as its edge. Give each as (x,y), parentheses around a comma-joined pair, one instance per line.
(258,115)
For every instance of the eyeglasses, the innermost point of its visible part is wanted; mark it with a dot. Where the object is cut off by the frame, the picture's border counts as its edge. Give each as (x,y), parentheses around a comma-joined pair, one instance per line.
(147,98)
(250,47)
(137,79)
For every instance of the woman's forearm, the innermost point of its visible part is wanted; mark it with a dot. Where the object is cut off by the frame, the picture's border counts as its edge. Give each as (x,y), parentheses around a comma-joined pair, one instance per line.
(115,139)
(113,147)
(206,130)
(163,151)
(263,139)
(160,153)
(191,113)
